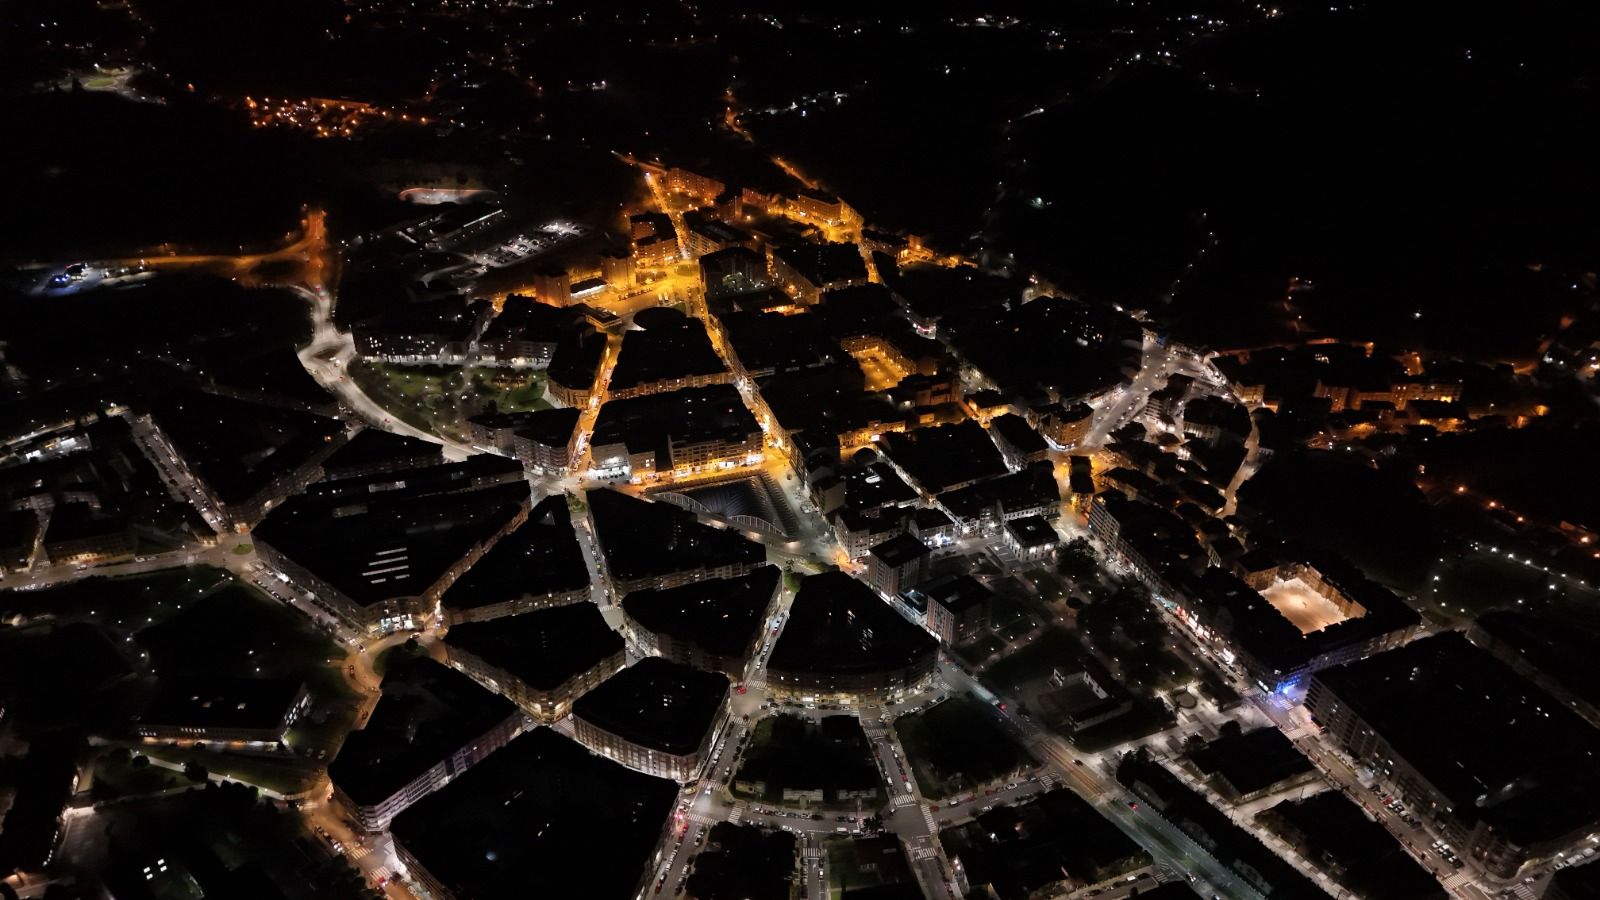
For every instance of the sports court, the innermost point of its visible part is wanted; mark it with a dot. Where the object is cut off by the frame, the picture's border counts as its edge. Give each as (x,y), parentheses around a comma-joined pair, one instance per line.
(1306,609)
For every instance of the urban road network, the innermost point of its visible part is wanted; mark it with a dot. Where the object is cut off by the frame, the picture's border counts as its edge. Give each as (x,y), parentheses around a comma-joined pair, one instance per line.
(306,265)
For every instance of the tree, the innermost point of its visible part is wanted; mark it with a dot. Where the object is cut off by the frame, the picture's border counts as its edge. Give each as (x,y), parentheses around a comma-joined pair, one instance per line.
(195,772)
(140,761)
(1077,561)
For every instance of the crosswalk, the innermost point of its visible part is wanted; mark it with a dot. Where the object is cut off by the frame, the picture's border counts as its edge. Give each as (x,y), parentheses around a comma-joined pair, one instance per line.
(737,813)
(1523,891)
(359,851)
(918,853)
(904,800)
(927,816)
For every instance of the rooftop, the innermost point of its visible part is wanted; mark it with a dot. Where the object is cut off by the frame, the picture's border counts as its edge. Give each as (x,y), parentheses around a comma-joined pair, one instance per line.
(900,550)
(541,557)
(1032,531)
(427,712)
(1276,636)
(577,360)
(523,318)
(837,624)
(1030,487)
(1020,849)
(542,807)
(945,456)
(1015,430)
(831,398)
(878,484)
(957,593)
(721,616)
(641,538)
(449,318)
(375,448)
(714,229)
(824,264)
(394,534)
(1252,761)
(548,427)
(276,376)
(655,422)
(1500,748)
(655,703)
(1367,859)
(238,447)
(933,292)
(77,521)
(678,348)
(1066,346)
(543,648)
(764,342)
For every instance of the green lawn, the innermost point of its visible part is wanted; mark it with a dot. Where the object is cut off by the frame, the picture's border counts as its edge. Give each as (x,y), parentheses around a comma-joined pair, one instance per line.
(1475,585)
(398,653)
(420,396)
(115,776)
(130,602)
(239,633)
(1033,662)
(430,397)
(511,391)
(978,651)
(1009,611)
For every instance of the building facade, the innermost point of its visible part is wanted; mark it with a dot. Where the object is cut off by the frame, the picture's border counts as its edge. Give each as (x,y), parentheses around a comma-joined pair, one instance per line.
(545,706)
(375,817)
